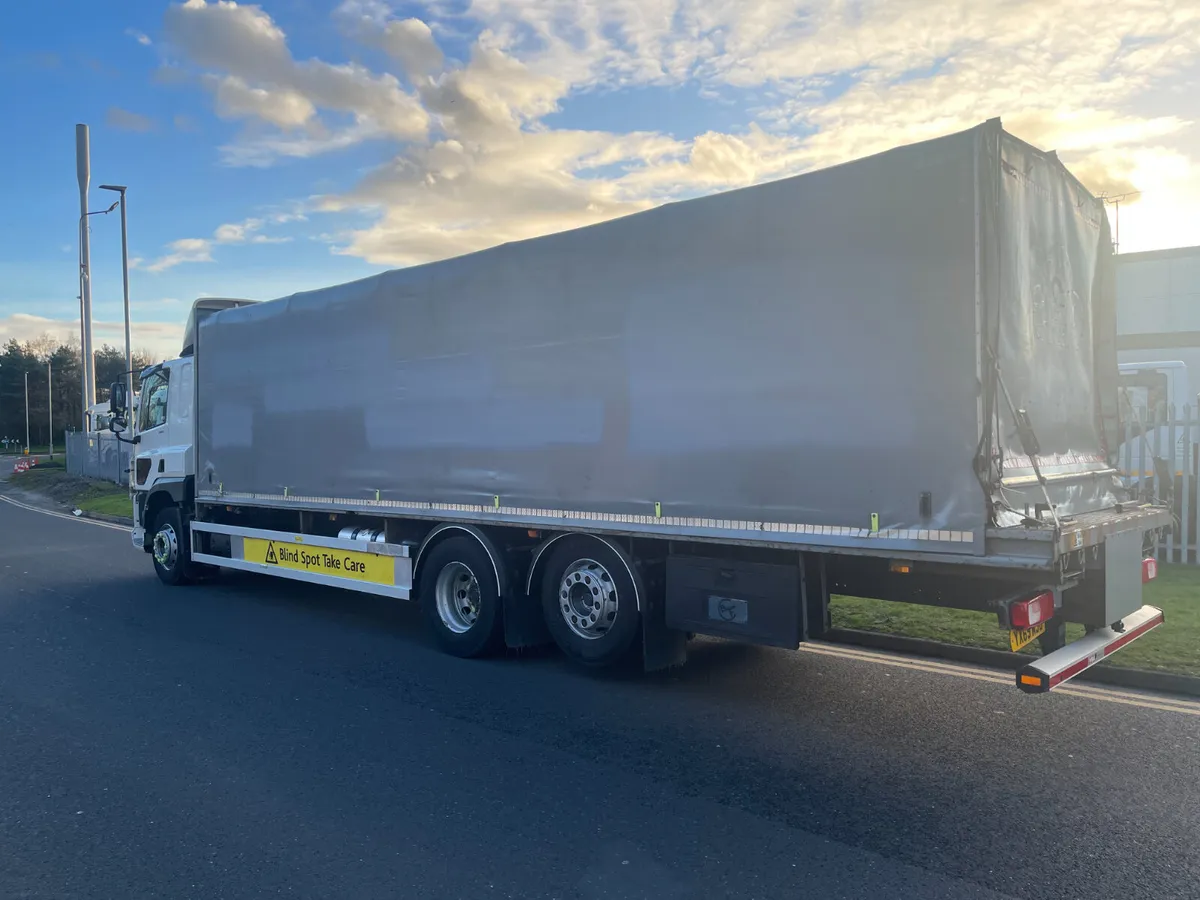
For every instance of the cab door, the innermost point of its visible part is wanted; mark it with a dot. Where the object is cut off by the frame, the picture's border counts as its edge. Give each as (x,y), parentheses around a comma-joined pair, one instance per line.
(164,422)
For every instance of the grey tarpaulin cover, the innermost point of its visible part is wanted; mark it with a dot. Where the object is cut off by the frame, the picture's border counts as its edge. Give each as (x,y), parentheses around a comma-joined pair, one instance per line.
(814,351)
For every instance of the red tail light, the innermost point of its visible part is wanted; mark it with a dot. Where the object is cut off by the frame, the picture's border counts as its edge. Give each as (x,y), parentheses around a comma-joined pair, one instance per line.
(1149,569)
(1034,611)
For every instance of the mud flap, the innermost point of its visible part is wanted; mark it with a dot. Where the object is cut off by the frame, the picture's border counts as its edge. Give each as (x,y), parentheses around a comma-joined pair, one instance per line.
(524,625)
(662,647)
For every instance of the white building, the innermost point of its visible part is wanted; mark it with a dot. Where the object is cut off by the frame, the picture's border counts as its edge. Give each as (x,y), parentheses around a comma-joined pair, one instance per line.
(1158,308)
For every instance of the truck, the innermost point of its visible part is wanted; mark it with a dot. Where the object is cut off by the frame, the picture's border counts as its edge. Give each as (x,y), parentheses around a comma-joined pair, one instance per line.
(893,378)
(99,415)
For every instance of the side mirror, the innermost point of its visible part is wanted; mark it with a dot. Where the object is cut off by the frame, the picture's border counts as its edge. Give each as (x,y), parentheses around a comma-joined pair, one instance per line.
(118,400)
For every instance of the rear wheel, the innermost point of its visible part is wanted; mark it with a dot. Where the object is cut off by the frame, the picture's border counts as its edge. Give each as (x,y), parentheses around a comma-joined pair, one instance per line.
(461,599)
(589,601)
(170,547)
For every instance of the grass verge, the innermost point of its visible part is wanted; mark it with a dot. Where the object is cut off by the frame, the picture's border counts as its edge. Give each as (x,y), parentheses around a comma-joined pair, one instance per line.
(1173,647)
(99,498)
(51,480)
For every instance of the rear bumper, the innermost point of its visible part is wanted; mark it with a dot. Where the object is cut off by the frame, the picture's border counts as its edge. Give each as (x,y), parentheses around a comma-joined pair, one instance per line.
(1062,665)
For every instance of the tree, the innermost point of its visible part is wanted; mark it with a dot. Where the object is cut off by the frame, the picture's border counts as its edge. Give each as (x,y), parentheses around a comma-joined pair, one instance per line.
(110,367)
(19,358)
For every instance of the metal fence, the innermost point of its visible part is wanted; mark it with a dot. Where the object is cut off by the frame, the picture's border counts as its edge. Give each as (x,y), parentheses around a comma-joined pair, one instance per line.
(98,455)
(1160,457)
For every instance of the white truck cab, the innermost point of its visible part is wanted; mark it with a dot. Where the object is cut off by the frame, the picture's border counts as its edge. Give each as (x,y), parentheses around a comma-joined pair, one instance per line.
(165,452)
(164,463)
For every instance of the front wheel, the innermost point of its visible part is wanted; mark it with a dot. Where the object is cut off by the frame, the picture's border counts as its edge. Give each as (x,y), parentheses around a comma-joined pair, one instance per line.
(461,599)
(589,601)
(171,547)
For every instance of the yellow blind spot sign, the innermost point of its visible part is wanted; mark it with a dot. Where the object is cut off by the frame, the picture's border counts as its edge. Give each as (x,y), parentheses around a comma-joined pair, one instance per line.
(874,523)
(657,510)
(351,564)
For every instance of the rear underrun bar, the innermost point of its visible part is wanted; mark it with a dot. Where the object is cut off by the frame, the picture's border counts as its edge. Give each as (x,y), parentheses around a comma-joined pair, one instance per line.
(1062,665)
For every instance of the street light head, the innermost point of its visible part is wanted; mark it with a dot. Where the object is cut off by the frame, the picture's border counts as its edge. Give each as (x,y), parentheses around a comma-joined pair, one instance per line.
(113,187)
(115,204)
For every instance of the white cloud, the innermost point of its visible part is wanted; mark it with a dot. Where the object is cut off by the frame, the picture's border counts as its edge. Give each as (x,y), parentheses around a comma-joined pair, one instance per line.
(139,36)
(185,250)
(259,78)
(409,42)
(263,150)
(193,250)
(237,100)
(492,97)
(451,198)
(160,338)
(1111,87)
(247,231)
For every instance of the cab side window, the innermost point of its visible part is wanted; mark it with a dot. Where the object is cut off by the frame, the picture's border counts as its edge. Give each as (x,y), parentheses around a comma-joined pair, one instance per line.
(154,402)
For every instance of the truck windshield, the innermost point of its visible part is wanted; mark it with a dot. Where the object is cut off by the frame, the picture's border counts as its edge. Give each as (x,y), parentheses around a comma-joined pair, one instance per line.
(154,401)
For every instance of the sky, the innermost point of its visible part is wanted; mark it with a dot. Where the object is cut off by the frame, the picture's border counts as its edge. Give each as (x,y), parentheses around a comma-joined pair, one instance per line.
(292,144)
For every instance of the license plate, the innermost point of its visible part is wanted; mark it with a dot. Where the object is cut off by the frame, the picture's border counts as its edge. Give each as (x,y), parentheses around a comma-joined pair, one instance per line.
(1019,637)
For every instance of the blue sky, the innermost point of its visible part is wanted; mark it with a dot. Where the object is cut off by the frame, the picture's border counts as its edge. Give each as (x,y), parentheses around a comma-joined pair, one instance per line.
(296,143)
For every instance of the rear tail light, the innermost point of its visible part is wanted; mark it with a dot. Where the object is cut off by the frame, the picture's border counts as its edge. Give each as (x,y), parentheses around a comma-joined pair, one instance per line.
(1149,569)
(1034,611)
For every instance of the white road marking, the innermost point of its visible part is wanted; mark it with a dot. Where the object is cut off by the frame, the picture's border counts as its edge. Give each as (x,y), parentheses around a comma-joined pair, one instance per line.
(920,665)
(69,518)
(1143,701)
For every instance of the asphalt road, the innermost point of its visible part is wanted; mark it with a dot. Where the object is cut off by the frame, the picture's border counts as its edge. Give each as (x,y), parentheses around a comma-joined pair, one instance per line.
(255,738)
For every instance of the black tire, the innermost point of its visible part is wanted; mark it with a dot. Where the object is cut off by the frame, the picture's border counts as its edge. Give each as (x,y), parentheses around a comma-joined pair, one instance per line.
(596,572)
(171,547)
(468,621)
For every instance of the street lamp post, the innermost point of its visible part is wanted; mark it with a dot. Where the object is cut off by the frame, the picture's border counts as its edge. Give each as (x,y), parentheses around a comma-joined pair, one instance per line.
(88,374)
(120,189)
(26,413)
(50,401)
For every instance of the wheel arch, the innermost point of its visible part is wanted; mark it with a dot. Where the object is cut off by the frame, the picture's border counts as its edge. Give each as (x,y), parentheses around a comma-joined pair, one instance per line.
(537,563)
(447,530)
(171,492)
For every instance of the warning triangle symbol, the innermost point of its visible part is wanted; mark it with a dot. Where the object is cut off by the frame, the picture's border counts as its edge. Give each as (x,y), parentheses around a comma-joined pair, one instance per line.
(271,557)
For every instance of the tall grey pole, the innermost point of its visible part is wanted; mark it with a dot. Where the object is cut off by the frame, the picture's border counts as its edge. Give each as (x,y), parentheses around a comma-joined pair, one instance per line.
(50,401)
(26,413)
(121,189)
(125,278)
(83,169)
